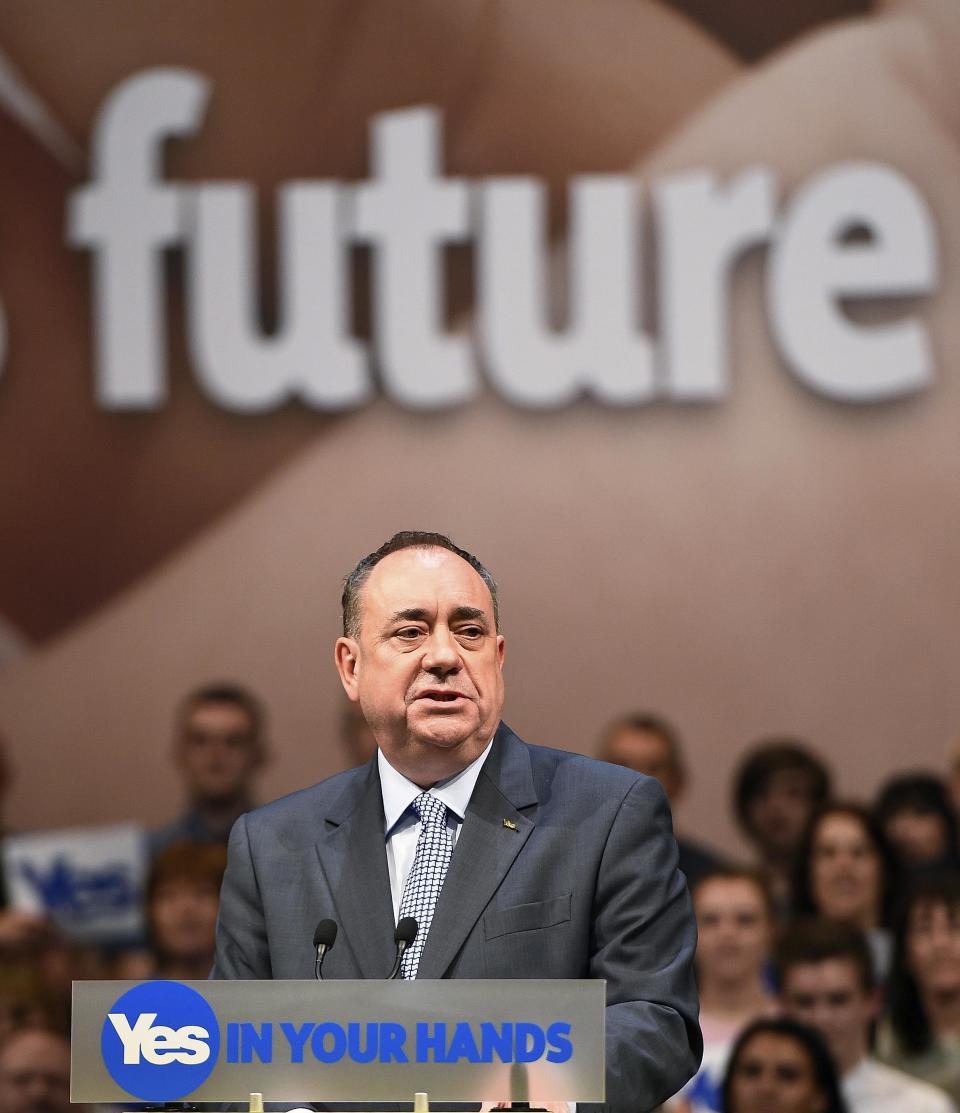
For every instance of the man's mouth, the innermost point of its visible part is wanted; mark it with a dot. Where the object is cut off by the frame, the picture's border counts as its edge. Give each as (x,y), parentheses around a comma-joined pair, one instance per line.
(441,697)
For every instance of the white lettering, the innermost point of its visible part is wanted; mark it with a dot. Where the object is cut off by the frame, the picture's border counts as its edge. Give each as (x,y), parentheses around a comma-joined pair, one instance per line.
(811,271)
(312,357)
(126,218)
(701,229)
(132,1038)
(159,1044)
(407,213)
(529,363)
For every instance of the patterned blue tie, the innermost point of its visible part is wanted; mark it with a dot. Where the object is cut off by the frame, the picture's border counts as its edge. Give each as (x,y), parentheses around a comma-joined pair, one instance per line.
(425,880)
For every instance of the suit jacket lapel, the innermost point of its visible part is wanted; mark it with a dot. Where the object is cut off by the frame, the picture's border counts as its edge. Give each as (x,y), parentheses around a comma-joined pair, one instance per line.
(354,861)
(485,849)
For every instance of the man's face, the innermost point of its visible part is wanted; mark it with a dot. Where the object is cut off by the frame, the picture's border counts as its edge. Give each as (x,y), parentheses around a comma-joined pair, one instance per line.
(35,1074)
(218,752)
(645,752)
(427,668)
(828,996)
(733,930)
(778,816)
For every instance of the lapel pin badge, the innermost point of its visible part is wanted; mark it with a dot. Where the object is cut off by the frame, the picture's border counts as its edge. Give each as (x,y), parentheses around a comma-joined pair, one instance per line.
(510,825)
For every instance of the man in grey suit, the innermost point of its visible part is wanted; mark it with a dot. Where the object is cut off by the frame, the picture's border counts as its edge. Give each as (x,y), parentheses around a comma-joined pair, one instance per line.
(557,866)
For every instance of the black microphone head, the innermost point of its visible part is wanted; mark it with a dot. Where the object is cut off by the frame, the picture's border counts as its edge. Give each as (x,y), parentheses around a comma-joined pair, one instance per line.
(406,931)
(326,934)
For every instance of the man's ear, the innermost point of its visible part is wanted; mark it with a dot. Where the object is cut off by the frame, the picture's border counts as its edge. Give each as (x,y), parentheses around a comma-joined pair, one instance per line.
(347,656)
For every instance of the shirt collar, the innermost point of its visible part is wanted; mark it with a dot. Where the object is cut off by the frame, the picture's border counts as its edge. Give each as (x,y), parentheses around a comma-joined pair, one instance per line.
(399,792)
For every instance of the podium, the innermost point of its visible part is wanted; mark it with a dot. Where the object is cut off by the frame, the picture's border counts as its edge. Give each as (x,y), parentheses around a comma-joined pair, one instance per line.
(298,1042)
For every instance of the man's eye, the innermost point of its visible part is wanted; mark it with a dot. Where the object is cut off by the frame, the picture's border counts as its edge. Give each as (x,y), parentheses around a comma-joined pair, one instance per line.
(470,632)
(409,633)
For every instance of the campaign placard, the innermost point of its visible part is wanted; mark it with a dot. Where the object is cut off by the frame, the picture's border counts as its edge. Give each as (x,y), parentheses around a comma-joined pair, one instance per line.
(89,880)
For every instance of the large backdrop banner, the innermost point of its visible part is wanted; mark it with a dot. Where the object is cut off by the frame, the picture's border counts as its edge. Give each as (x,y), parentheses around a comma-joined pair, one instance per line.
(653,306)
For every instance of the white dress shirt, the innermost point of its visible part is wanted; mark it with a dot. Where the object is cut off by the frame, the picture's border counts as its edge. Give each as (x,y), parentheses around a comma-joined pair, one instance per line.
(872,1087)
(402,824)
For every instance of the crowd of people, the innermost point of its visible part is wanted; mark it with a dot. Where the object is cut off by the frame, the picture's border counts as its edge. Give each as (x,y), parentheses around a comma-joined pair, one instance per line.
(828,968)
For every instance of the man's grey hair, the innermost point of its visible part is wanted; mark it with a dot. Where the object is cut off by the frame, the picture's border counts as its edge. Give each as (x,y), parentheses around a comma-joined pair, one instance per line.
(405,539)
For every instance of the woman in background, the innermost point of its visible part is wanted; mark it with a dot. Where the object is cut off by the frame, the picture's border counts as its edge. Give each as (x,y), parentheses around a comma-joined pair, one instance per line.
(921,1034)
(183,896)
(778,1064)
(917,818)
(844,873)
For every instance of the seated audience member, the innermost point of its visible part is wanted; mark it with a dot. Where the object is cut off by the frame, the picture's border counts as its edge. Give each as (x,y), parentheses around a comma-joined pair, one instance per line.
(357,739)
(35,1072)
(220,745)
(183,896)
(916,815)
(825,972)
(649,744)
(777,788)
(844,872)
(921,1033)
(780,1066)
(735,926)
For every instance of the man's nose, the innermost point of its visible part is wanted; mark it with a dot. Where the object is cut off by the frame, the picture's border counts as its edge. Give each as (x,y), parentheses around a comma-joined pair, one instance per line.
(441,653)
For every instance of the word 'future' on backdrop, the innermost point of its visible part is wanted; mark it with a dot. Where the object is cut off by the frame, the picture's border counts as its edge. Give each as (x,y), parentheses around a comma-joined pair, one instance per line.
(854,231)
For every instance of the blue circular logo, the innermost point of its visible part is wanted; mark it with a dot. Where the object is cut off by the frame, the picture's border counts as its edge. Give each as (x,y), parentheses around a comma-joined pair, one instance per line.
(160,1041)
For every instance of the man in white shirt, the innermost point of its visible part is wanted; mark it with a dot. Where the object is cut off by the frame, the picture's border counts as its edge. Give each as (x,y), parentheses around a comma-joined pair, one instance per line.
(826,981)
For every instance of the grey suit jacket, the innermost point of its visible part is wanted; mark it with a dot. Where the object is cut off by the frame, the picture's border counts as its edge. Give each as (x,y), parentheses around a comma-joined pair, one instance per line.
(587,886)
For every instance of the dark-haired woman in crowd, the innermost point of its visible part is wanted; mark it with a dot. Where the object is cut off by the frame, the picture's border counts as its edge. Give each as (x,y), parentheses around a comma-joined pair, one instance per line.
(777,1064)
(845,873)
(182,899)
(915,813)
(921,1034)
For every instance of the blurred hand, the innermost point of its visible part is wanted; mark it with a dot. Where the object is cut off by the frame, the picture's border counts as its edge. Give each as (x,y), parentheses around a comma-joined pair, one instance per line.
(21,932)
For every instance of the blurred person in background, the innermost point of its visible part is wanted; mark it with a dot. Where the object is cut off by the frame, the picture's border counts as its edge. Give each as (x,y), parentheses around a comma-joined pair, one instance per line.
(777,788)
(826,977)
(844,872)
(735,930)
(650,744)
(356,737)
(921,1033)
(219,748)
(915,813)
(35,1072)
(21,933)
(780,1066)
(182,899)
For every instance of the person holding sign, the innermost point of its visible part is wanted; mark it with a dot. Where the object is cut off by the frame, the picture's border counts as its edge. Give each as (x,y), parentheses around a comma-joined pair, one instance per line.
(514,860)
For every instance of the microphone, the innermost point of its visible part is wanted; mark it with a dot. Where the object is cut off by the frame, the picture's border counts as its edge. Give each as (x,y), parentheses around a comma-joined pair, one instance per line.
(323,939)
(404,935)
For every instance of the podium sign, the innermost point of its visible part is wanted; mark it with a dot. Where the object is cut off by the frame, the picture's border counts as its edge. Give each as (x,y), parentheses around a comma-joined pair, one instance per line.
(302,1041)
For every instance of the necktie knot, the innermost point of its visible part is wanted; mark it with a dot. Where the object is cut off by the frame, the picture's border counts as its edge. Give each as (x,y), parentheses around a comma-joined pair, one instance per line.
(430,809)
